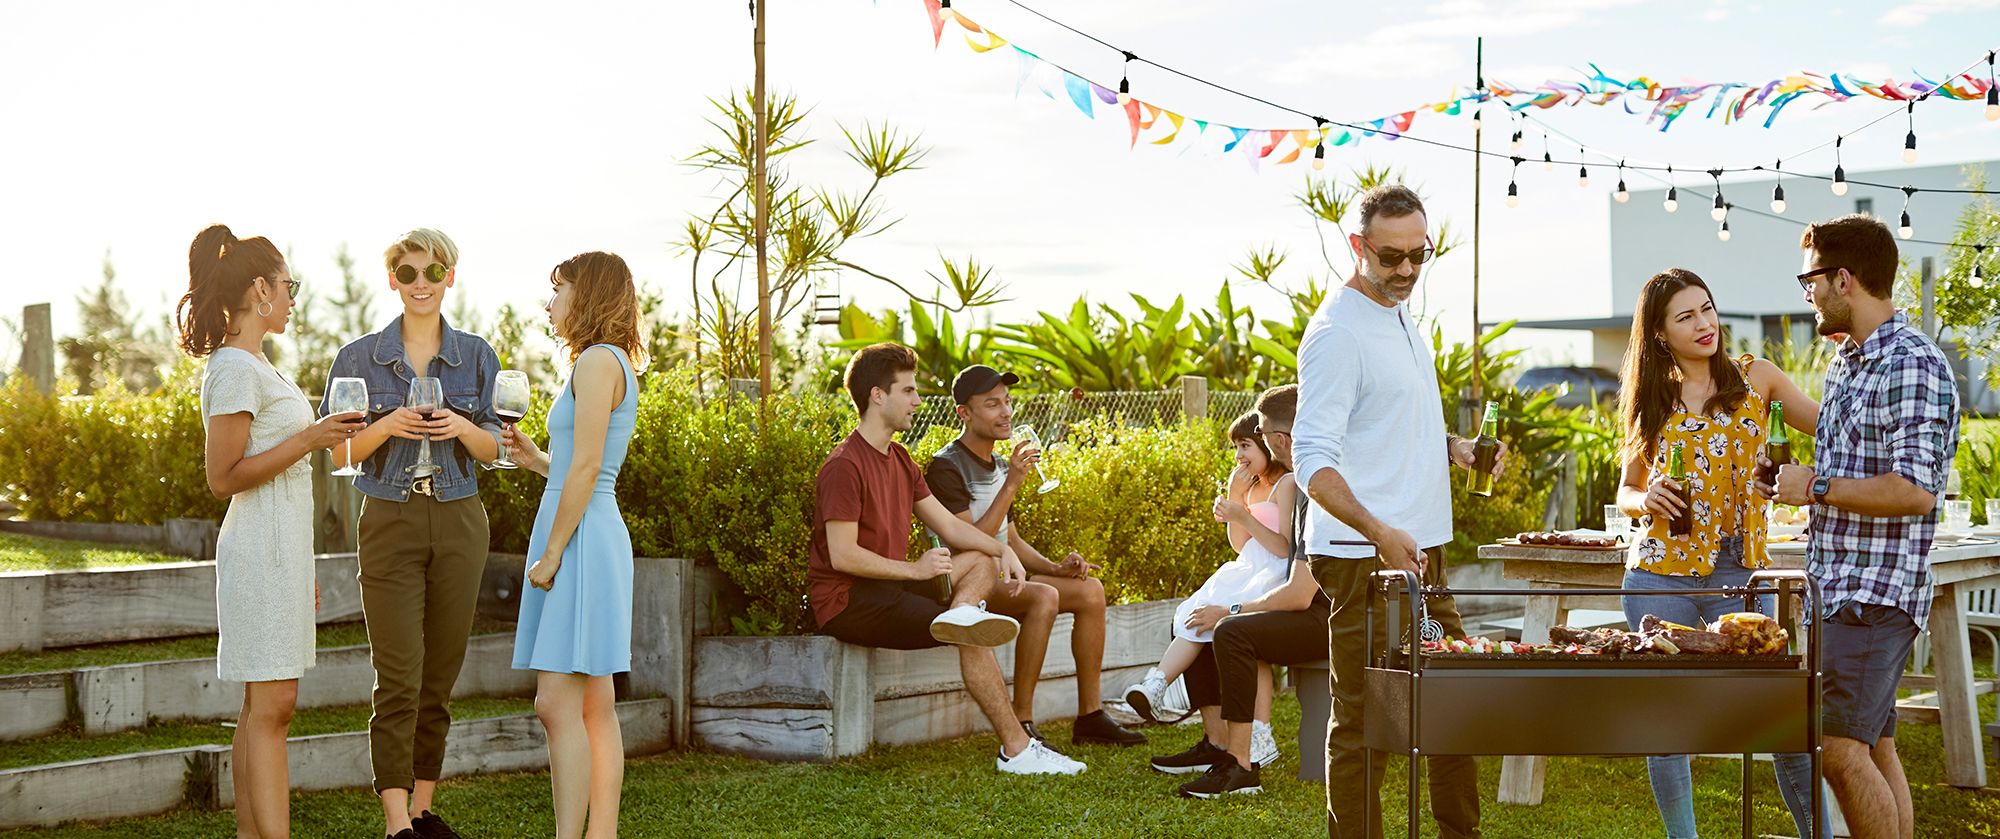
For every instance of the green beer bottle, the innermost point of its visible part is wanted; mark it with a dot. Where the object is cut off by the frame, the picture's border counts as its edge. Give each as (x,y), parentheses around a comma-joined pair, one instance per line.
(1682,522)
(1485,452)
(1778,449)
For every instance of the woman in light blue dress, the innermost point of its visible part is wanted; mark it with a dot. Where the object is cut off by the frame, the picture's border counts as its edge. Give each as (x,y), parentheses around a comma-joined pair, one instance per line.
(576,612)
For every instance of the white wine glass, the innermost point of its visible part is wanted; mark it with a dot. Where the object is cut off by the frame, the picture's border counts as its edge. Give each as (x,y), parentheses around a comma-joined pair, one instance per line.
(426,392)
(511,397)
(346,395)
(1026,434)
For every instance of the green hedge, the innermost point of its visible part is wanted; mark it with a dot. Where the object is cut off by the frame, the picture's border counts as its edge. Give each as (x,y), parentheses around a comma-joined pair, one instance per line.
(111,457)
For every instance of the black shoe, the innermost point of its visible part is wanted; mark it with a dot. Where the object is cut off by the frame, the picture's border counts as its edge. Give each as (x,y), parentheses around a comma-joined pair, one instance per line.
(1198,758)
(1227,778)
(405,833)
(429,826)
(1033,732)
(1099,728)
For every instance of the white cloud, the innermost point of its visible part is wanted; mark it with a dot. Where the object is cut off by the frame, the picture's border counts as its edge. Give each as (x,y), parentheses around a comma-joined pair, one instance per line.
(1436,40)
(1919,13)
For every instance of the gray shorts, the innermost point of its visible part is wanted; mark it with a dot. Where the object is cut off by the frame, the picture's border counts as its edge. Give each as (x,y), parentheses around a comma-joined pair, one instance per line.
(1863,649)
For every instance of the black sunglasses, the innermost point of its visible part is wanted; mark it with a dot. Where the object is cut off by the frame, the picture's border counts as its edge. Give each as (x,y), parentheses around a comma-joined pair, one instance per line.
(1391,259)
(1262,431)
(436,272)
(1806,279)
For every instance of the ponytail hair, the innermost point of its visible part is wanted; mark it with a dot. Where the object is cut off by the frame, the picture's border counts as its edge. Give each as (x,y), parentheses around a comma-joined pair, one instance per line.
(221,268)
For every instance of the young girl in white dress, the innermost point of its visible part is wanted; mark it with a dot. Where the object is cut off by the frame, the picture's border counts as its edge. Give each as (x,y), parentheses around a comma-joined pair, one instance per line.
(1257,510)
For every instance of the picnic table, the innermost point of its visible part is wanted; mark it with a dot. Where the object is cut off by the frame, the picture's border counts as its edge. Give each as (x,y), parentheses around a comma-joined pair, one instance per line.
(1950,698)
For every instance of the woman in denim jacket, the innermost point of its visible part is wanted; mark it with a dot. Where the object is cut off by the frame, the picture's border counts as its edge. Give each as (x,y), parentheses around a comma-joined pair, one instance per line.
(423,536)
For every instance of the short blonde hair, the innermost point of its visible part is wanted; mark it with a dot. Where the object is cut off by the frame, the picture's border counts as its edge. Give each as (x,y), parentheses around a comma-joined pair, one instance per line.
(438,245)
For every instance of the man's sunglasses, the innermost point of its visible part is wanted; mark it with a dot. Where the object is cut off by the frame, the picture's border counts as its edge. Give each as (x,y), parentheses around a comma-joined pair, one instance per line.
(436,272)
(1262,431)
(1806,279)
(1392,258)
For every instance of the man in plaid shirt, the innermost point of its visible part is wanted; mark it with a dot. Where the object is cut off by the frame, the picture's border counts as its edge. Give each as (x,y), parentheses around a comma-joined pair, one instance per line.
(1888,430)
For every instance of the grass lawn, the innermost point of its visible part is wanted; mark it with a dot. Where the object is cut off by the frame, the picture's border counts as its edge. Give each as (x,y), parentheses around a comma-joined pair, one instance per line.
(171,649)
(71,745)
(34,553)
(950,789)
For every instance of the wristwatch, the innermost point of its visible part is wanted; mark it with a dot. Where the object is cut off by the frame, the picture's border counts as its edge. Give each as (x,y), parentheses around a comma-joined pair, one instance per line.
(1236,608)
(1820,485)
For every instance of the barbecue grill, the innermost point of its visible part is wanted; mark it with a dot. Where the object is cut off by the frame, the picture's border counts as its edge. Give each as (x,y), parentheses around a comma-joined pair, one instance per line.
(1421,704)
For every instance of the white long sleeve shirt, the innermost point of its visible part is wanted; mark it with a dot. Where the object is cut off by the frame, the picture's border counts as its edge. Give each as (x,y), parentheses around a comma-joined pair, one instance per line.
(1369,409)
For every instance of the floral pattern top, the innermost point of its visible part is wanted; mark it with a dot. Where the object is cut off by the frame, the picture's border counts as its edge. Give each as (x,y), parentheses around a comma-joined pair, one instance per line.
(1721,462)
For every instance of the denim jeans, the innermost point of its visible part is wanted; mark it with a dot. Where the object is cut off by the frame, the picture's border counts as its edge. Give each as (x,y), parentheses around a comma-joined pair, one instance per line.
(1672,779)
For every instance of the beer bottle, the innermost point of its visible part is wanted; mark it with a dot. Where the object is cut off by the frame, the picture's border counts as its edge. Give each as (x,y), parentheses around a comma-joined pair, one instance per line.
(1486,452)
(941,584)
(1778,449)
(1682,523)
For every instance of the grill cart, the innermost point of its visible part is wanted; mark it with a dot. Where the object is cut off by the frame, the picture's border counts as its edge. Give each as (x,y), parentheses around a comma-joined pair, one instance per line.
(1421,704)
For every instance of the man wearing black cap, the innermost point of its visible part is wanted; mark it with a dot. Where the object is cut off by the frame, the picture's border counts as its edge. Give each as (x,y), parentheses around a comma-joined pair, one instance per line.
(971,483)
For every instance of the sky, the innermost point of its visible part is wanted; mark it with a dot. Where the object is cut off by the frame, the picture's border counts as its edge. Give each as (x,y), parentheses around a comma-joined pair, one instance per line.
(530,132)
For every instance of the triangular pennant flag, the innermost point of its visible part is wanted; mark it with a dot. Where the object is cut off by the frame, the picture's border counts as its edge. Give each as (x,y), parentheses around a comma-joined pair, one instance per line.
(1238,134)
(1403,120)
(1275,138)
(1152,115)
(1027,62)
(1132,119)
(965,21)
(1079,92)
(1344,138)
(1201,126)
(932,8)
(1176,120)
(1104,94)
(1300,139)
(1250,150)
(993,42)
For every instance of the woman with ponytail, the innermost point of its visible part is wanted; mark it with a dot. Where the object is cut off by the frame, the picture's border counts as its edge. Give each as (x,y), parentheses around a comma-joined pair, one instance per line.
(260,431)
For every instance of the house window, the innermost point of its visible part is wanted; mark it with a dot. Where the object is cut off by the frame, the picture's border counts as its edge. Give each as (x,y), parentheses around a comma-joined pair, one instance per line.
(1864,206)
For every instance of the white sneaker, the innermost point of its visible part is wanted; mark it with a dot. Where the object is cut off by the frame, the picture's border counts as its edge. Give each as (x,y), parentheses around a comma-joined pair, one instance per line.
(1149,695)
(1263,746)
(1038,759)
(973,626)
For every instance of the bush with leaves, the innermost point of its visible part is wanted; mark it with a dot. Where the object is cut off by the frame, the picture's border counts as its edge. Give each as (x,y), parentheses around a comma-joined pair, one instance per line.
(114,456)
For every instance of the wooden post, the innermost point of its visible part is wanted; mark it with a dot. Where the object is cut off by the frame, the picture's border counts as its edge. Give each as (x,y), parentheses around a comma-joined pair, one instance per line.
(38,347)
(1194,397)
(759,154)
(744,388)
(336,508)
(1478,155)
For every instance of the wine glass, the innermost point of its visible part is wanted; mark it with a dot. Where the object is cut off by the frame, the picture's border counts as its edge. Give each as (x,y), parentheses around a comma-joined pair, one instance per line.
(426,392)
(1026,434)
(510,401)
(344,395)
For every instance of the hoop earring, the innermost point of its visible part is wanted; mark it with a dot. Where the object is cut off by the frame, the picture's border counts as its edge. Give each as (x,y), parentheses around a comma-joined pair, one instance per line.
(264,309)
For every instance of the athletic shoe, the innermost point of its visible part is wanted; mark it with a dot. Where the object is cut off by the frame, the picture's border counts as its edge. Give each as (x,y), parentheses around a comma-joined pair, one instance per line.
(429,826)
(1263,746)
(405,833)
(1147,697)
(1038,759)
(1226,778)
(973,626)
(1197,758)
(1099,728)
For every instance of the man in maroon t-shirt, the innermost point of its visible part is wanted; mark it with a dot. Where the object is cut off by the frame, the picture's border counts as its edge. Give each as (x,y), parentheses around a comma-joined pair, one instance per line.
(862,589)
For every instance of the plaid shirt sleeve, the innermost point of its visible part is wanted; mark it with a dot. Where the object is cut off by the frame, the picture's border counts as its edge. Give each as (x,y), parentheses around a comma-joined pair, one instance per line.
(1921,407)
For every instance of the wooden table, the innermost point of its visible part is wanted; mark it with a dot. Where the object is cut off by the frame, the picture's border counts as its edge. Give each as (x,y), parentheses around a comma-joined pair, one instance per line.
(1954,569)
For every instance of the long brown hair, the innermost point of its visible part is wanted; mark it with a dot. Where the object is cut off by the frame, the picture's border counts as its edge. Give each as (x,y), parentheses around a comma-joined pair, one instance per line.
(221,268)
(1649,389)
(1245,428)
(603,306)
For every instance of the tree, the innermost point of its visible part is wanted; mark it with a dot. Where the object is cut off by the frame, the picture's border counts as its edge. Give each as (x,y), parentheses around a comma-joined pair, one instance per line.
(112,345)
(1969,308)
(318,334)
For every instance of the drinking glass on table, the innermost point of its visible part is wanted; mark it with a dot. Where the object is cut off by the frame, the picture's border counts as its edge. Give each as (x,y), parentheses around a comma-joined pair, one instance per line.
(426,393)
(345,395)
(1026,435)
(1957,515)
(1993,514)
(1616,522)
(511,396)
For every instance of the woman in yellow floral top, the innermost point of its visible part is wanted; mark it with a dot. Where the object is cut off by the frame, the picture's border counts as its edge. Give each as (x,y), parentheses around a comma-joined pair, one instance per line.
(1680,387)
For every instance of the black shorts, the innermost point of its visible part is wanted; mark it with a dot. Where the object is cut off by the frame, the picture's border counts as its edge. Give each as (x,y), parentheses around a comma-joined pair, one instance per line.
(889,614)
(1863,648)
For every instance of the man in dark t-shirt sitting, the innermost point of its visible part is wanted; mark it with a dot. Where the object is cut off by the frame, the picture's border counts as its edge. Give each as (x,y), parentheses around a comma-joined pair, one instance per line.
(862,589)
(980,488)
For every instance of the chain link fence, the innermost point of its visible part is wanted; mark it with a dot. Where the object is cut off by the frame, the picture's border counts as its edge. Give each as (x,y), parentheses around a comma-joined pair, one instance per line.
(1052,414)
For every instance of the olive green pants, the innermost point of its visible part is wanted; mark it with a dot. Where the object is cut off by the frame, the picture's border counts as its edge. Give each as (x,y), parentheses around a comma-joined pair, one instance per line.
(421,562)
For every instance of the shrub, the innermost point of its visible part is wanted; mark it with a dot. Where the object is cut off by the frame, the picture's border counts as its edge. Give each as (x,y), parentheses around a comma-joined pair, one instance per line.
(114,456)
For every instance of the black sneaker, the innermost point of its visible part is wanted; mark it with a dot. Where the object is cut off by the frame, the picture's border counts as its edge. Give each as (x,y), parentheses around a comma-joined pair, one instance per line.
(1033,732)
(1099,728)
(405,833)
(1226,778)
(429,826)
(1198,758)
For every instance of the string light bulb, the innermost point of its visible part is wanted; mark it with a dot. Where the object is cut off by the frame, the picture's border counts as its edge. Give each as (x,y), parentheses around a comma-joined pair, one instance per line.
(1125,79)
(1673,193)
(1839,174)
(1722,233)
(1905,229)
(945,14)
(1778,188)
(1583,176)
(1910,139)
(1992,91)
(1622,195)
(1548,163)
(1319,146)
(1721,207)
(1513,187)
(1514,145)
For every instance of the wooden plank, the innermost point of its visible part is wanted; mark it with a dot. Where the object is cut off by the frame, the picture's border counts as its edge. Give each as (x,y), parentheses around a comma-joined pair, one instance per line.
(45,796)
(798,671)
(768,733)
(128,604)
(1958,711)
(38,346)
(36,703)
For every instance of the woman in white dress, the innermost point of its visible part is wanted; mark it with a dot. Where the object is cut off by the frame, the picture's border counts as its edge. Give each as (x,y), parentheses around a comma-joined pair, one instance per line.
(1257,510)
(260,431)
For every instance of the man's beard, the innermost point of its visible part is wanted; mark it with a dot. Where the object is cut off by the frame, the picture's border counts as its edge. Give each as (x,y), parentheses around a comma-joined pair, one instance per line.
(1393,287)
(1836,321)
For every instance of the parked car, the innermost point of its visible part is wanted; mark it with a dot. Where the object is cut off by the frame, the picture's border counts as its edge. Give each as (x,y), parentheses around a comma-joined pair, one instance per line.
(1574,386)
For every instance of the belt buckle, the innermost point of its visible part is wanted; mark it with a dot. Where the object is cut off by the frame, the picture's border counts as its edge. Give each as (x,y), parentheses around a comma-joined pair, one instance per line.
(421,486)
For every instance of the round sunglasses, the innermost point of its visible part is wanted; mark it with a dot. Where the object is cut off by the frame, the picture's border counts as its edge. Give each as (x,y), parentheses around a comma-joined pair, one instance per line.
(435,272)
